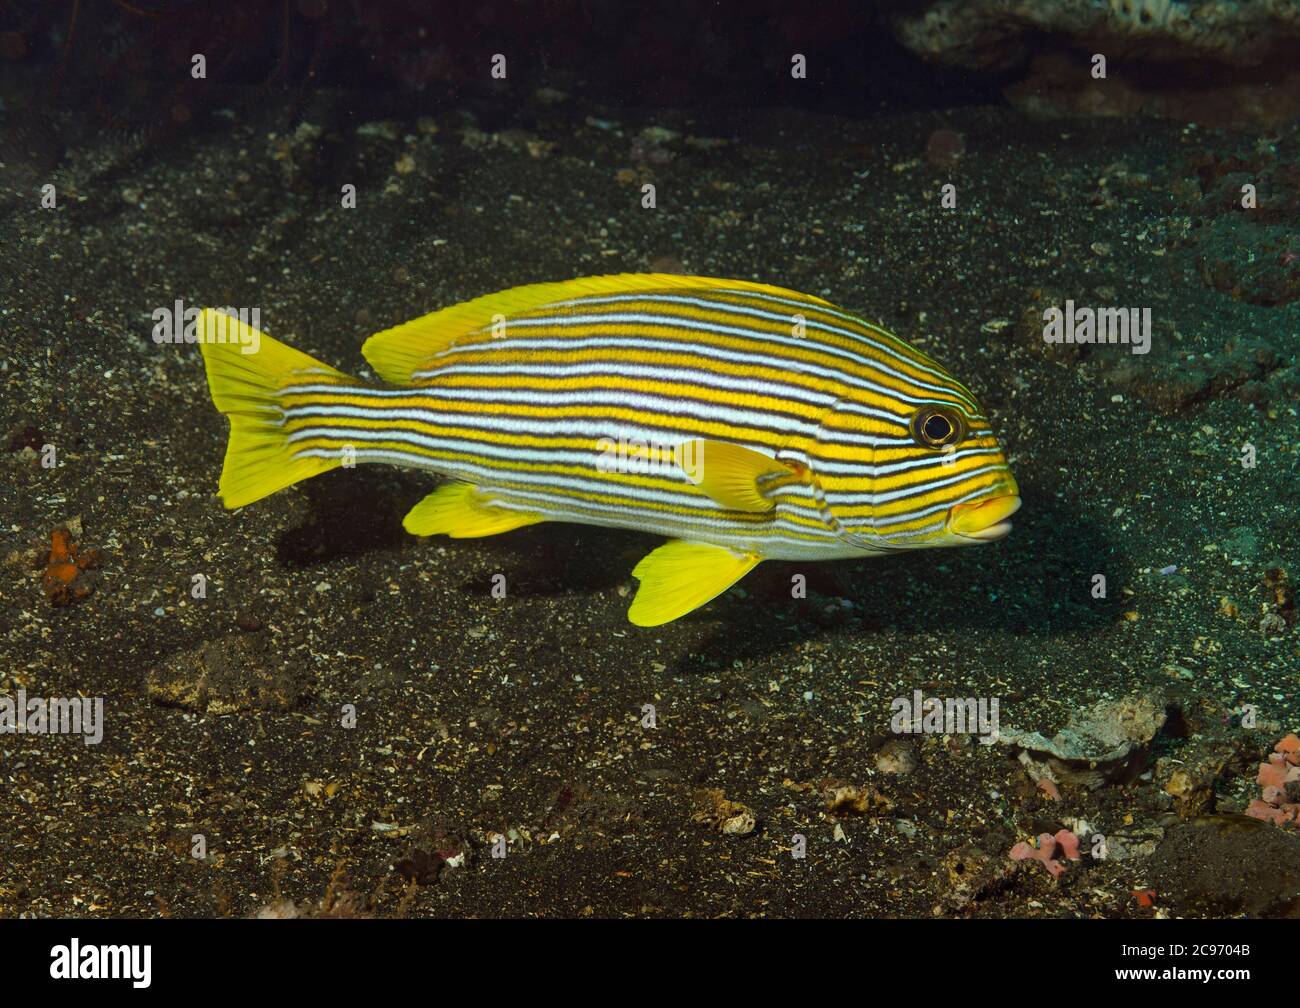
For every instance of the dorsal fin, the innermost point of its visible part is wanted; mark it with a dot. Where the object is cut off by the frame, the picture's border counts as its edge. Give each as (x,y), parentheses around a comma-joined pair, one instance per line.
(398,352)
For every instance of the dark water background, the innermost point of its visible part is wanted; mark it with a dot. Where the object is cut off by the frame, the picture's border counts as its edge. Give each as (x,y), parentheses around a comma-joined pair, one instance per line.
(523,716)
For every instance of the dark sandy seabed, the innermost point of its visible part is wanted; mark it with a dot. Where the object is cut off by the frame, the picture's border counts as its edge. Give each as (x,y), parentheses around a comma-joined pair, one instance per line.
(522,715)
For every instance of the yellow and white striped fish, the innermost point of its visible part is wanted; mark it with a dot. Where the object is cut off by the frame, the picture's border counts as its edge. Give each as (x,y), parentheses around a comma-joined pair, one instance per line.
(745,422)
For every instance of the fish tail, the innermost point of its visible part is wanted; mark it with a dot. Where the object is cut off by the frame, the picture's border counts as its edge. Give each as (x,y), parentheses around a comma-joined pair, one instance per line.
(247,371)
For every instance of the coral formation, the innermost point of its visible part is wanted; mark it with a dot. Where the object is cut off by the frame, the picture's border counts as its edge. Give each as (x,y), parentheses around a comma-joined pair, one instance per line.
(1107,742)
(1210,61)
(999,34)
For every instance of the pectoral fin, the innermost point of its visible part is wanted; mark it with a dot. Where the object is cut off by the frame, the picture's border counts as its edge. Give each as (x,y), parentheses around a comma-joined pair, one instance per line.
(680,576)
(457,510)
(730,473)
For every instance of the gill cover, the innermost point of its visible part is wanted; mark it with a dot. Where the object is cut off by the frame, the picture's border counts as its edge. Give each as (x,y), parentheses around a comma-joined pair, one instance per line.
(844,439)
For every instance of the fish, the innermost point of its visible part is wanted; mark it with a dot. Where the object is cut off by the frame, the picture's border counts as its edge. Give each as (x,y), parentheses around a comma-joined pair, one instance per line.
(742,421)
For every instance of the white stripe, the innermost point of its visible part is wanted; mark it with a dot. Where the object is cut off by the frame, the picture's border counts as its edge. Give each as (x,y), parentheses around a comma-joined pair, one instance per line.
(586,458)
(619,369)
(913,491)
(547,428)
(659,346)
(626,400)
(433,392)
(886,522)
(599,483)
(667,321)
(890,344)
(456,419)
(882,345)
(937,460)
(837,467)
(560,508)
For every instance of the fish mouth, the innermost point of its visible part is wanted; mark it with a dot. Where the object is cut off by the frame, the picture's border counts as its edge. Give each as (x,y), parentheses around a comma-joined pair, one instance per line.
(985,520)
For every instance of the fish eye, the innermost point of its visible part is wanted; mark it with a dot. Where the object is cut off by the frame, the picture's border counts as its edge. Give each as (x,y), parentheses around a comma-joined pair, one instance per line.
(936,427)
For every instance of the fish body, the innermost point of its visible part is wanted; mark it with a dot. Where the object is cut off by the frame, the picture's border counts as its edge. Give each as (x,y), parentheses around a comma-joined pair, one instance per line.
(743,421)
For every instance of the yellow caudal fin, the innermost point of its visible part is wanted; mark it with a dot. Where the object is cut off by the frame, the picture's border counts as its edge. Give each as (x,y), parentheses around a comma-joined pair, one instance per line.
(680,576)
(398,352)
(246,371)
(457,510)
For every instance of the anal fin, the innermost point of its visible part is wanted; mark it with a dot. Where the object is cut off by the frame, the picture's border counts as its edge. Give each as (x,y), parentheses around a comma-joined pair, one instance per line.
(680,576)
(457,510)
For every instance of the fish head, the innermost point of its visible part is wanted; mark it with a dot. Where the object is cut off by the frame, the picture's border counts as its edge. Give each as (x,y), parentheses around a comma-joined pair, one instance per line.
(913,473)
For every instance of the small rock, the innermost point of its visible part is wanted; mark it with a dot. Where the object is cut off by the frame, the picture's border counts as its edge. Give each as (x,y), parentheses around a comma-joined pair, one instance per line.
(845,799)
(234,673)
(726,816)
(897,757)
(944,148)
(970,872)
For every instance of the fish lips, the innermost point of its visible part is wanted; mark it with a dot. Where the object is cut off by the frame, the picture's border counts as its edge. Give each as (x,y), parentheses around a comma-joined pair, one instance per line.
(984,520)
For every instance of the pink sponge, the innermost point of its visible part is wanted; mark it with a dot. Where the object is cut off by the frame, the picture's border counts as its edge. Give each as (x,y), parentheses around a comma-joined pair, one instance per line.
(1064,844)
(1283,766)
(1276,772)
